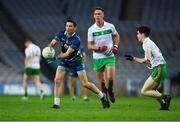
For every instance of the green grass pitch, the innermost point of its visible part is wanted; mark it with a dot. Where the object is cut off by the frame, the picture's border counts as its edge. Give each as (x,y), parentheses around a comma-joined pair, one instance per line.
(126,108)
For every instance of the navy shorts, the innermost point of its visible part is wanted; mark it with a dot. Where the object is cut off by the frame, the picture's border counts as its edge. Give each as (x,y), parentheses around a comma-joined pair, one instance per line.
(72,66)
(73,73)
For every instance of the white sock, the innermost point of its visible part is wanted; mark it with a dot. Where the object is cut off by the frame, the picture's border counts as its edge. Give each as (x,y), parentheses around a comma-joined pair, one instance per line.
(56,101)
(100,94)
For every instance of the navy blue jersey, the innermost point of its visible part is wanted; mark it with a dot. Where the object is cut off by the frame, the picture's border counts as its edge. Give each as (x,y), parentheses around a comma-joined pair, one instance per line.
(66,42)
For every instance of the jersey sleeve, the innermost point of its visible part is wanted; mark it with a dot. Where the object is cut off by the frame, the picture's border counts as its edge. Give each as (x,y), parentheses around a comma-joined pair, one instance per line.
(58,36)
(27,53)
(90,35)
(75,44)
(147,50)
(113,29)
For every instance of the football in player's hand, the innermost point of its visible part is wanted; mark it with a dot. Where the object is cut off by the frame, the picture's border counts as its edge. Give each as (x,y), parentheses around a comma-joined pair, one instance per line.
(48,52)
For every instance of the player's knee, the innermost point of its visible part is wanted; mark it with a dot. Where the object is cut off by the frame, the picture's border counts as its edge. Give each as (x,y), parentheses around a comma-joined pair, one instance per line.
(85,85)
(57,80)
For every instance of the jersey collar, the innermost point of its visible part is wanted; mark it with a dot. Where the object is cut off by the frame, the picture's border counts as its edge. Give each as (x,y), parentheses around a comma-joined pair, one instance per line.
(65,33)
(102,26)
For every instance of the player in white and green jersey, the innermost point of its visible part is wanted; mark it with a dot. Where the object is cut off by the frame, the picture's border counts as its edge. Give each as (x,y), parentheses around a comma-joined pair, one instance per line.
(32,67)
(103,40)
(155,61)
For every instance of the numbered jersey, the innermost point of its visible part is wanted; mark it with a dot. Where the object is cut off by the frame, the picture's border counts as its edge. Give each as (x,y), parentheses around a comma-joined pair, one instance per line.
(34,52)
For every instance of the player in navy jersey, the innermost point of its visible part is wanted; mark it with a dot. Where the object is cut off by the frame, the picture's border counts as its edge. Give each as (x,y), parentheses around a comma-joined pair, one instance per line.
(70,58)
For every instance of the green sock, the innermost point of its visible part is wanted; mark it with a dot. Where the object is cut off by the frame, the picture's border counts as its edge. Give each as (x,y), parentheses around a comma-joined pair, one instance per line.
(25,94)
(41,91)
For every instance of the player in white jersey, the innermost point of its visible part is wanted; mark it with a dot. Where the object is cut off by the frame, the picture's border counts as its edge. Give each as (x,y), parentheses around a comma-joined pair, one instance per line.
(155,61)
(103,40)
(32,67)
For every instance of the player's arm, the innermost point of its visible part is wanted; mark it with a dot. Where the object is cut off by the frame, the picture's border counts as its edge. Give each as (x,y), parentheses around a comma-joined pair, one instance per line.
(26,61)
(74,46)
(139,60)
(146,59)
(147,56)
(67,53)
(92,47)
(133,58)
(53,43)
(27,57)
(56,38)
(116,43)
(84,56)
(116,39)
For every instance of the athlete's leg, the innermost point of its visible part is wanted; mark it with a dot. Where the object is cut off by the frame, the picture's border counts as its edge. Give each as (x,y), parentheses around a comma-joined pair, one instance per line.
(99,67)
(84,90)
(111,77)
(85,83)
(57,86)
(71,87)
(149,88)
(38,82)
(39,85)
(101,78)
(25,84)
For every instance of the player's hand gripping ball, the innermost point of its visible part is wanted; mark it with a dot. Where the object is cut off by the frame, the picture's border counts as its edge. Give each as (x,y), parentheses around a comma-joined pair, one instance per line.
(48,52)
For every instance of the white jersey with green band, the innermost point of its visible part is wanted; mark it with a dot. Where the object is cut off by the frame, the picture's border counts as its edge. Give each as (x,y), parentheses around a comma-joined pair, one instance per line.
(34,52)
(156,57)
(102,36)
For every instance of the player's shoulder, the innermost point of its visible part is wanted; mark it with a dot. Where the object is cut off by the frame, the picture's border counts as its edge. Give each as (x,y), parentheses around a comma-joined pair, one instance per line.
(76,37)
(108,24)
(35,47)
(60,33)
(92,27)
(149,41)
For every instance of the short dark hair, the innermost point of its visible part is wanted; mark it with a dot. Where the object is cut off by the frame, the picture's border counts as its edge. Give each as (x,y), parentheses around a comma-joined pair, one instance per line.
(99,8)
(26,39)
(144,29)
(69,19)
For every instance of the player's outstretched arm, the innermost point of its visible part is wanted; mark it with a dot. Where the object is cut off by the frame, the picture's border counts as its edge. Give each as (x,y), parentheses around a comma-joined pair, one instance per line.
(52,43)
(136,59)
(139,60)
